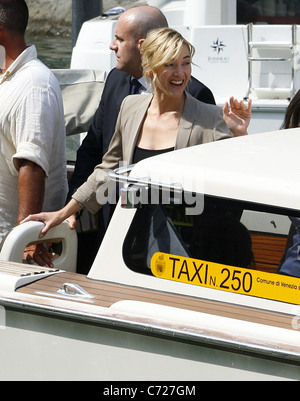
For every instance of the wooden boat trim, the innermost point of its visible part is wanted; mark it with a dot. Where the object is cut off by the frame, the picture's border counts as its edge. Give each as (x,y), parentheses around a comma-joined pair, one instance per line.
(107,295)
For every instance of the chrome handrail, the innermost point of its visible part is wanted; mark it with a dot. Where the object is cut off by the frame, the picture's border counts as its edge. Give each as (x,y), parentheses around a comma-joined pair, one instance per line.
(117,175)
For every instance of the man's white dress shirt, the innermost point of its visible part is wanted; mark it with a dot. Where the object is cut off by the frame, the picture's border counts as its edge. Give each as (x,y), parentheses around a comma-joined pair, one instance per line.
(32,127)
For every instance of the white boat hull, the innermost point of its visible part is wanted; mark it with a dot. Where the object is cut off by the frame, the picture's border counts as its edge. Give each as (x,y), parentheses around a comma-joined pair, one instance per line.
(47,345)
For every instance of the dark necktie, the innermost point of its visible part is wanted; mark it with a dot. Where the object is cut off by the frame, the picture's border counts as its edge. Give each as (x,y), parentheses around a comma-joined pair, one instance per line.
(135,87)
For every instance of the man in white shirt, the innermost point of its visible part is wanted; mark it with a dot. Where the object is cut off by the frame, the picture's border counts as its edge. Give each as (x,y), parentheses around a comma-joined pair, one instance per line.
(32,130)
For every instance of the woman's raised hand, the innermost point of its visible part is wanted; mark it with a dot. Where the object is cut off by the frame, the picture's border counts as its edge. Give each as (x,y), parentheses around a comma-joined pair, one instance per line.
(238,117)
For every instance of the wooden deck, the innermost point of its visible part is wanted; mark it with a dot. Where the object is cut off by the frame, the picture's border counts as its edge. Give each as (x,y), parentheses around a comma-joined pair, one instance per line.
(106,294)
(268,251)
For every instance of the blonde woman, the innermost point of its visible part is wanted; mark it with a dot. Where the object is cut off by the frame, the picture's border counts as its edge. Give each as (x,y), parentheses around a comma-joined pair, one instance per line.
(166,120)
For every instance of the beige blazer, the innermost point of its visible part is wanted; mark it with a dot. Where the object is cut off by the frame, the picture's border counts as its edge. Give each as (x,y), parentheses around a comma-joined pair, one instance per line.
(200,123)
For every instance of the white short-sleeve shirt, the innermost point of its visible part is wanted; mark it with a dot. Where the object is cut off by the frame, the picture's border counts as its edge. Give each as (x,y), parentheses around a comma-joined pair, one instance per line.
(32,127)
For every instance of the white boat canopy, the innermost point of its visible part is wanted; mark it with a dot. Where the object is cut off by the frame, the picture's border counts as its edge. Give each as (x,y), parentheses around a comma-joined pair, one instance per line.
(262,168)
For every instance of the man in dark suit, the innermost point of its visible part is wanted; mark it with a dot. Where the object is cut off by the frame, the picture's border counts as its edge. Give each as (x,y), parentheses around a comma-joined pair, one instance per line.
(131,30)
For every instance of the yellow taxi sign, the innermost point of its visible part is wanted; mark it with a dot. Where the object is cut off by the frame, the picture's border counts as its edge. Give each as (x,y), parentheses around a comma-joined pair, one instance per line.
(226,278)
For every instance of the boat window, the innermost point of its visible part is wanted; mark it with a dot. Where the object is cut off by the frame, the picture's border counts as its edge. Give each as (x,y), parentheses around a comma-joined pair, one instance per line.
(268,11)
(227,233)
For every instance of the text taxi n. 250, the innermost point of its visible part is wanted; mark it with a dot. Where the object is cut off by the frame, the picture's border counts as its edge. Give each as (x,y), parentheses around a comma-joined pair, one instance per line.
(226,278)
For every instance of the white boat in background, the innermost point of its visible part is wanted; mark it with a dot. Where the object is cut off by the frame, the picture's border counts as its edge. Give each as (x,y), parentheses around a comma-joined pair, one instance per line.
(258,60)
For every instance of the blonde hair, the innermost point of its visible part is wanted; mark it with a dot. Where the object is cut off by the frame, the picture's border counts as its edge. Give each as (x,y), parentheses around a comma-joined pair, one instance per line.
(162,46)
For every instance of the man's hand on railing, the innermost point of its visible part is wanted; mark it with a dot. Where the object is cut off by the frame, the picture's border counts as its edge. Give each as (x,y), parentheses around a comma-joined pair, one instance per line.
(39,254)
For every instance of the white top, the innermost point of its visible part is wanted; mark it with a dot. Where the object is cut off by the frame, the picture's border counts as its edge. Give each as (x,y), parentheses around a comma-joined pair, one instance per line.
(32,127)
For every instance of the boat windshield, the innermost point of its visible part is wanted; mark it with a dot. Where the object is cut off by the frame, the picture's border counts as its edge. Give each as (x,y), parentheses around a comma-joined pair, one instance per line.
(268,11)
